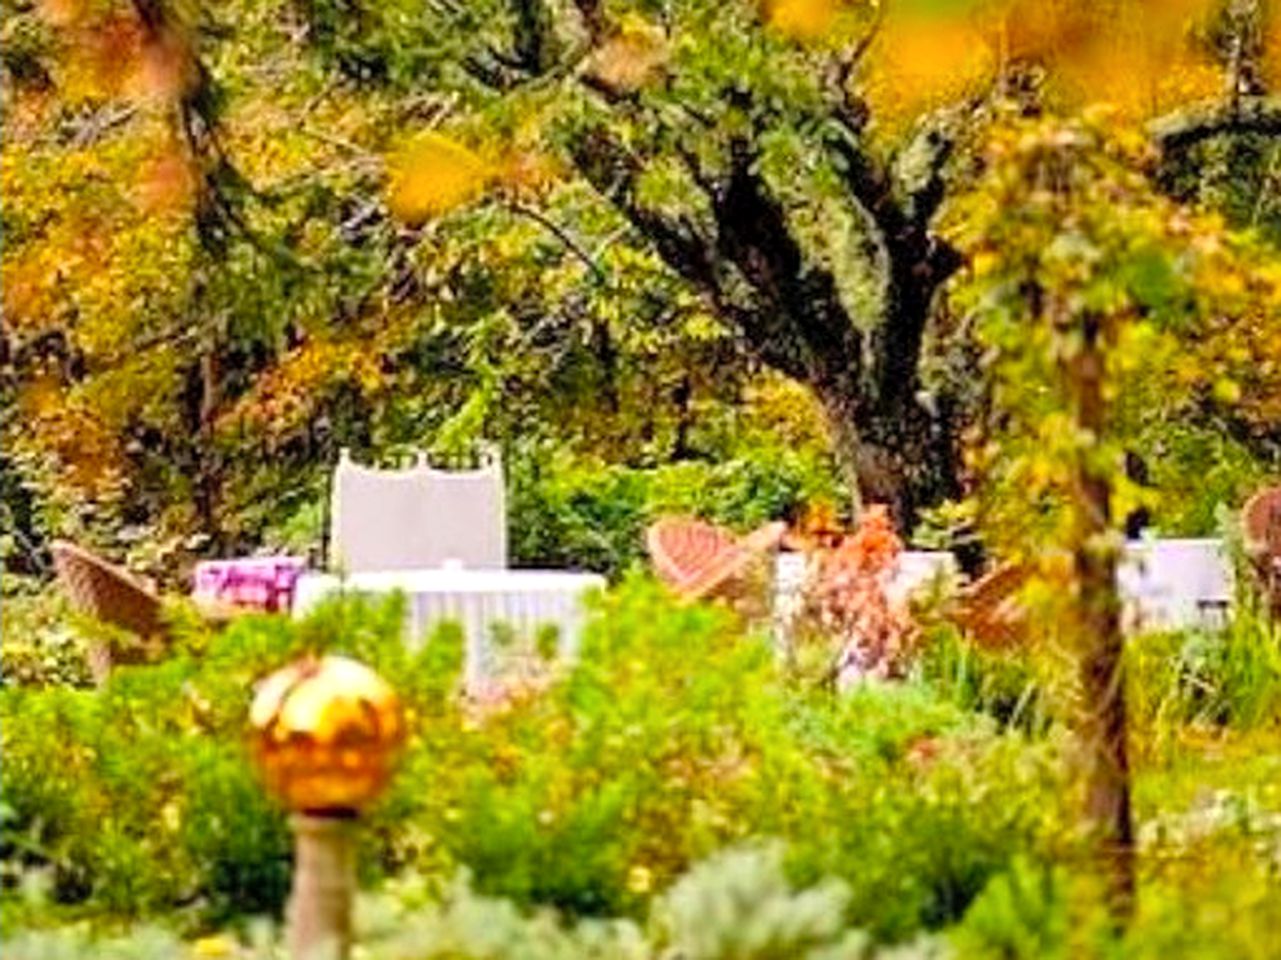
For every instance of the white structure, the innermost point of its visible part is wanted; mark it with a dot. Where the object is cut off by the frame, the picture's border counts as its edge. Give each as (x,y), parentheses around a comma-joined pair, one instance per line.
(1176,583)
(914,570)
(479,600)
(1165,584)
(419,518)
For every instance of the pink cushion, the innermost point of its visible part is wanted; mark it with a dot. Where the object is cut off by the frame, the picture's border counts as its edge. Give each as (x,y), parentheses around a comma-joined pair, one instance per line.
(258,583)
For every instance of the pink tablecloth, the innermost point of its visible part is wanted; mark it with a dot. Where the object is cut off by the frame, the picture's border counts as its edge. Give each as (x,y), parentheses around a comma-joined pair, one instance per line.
(257,583)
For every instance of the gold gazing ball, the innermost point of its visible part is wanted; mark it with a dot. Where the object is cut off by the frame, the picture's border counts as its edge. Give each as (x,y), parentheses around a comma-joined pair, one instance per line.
(327,733)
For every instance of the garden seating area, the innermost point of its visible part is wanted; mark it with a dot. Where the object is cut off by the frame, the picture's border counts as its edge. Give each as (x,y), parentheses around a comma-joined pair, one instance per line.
(439,537)
(633,480)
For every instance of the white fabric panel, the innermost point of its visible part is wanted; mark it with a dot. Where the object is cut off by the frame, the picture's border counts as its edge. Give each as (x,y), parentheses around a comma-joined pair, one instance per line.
(1175,583)
(467,512)
(526,600)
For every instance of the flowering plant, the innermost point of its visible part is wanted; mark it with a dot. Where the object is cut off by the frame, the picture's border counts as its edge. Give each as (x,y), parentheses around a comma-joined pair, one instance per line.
(846,599)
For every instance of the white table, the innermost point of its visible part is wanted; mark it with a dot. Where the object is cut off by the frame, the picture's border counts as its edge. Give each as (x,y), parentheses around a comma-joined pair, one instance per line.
(1169,584)
(1165,584)
(478,600)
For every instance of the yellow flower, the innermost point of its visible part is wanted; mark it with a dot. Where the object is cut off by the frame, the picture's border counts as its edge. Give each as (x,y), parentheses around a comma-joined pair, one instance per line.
(216,946)
(640,879)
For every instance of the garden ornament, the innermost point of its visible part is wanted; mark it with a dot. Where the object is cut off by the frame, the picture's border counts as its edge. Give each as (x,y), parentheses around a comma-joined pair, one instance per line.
(327,734)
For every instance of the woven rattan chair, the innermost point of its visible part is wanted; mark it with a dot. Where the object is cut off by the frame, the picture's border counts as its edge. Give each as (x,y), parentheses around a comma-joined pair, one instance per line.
(105,592)
(989,611)
(1261,532)
(698,560)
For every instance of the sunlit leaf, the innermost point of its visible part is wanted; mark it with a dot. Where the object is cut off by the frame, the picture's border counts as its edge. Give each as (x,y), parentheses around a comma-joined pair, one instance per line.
(434,175)
(803,19)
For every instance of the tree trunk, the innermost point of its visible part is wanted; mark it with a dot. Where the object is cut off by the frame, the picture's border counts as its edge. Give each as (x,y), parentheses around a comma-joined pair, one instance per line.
(1102,726)
(897,453)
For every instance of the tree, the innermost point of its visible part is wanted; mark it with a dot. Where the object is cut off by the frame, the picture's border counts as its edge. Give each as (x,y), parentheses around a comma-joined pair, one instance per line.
(219,262)
(206,295)
(1094,297)
(756,150)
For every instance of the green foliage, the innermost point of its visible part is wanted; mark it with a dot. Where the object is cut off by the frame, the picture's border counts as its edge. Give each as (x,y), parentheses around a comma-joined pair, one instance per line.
(40,646)
(1004,684)
(1021,915)
(674,737)
(1103,262)
(1230,676)
(575,513)
(736,906)
(594,816)
(671,737)
(1199,470)
(139,798)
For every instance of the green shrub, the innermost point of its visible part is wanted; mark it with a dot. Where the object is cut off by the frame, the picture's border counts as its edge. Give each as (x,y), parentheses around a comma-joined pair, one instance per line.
(671,738)
(675,736)
(1229,676)
(1002,684)
(738,905)
(139,797)
(39,646)
(1022,914)
(1198,471)
(571,513)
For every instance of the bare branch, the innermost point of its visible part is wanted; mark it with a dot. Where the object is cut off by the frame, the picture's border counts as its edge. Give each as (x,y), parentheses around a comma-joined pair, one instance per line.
(561,234)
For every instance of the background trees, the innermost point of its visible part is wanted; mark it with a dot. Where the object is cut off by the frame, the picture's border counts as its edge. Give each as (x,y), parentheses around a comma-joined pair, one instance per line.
(237,239)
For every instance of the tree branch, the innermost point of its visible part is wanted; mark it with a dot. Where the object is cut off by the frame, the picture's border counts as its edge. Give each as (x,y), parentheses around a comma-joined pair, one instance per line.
(561,234)
(800,308)
(613,171)
(1185,129)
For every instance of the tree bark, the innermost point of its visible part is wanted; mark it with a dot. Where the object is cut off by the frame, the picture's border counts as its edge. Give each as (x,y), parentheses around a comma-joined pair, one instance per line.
(901,455)
(788,312)
(1103,723)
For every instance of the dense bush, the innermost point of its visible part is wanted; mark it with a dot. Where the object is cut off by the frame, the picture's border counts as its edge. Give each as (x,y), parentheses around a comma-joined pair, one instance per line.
(671,738)
(1002,684)
(737,906)
(571,513)
(39,644)
(740,905)
(1228,676)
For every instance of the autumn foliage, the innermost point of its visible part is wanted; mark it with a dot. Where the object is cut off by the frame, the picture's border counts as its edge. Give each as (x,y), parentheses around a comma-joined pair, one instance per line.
(847,601)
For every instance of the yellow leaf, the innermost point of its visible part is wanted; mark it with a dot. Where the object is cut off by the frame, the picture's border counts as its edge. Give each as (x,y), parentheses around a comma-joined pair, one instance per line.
(433,176)
(803,19)
(631,56)
(640,879)
(1227,391)
(217,946)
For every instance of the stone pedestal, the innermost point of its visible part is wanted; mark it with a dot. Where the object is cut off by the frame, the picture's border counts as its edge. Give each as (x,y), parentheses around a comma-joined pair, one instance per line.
(318,917)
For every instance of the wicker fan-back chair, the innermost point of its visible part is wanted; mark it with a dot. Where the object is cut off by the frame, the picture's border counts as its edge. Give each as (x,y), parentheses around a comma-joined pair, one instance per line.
(699,560)
(989,610)
(108,593)
(1261,530)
